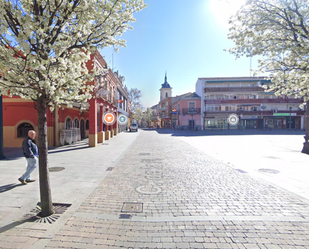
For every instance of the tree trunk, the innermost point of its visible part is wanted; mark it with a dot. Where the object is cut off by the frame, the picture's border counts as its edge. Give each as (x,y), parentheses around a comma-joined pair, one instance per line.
(45,193)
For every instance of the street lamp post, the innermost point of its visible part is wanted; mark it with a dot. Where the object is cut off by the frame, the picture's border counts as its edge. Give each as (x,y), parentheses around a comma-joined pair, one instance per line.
(306,143)
(290,126)
(1,129)
(240,118)
(263,107)
(192,112)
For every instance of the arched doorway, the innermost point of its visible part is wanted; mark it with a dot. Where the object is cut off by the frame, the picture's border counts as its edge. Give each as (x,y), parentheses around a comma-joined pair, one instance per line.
(82,129)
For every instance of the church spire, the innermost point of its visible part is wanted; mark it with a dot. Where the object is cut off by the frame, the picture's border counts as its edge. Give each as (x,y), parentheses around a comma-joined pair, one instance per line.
(165,84)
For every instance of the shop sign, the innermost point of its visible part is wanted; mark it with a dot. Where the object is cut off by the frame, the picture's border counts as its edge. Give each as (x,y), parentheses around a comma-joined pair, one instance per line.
(285,114)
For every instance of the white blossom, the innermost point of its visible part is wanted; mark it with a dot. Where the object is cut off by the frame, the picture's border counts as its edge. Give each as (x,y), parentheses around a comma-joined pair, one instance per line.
(45,52)
(277,30)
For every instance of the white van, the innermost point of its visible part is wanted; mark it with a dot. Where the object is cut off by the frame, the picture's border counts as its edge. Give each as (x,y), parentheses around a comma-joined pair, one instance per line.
(133,127)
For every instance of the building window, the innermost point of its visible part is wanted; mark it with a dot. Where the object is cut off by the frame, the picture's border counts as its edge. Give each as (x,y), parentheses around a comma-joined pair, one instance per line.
(210,108)
(68,124)
(166,95)
(87,124)
(191,105)
(217,108)
(23,129)
(76,123)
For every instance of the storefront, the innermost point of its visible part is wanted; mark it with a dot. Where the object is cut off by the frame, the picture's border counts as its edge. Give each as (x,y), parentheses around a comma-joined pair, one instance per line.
(278,121)
(283,121)
(218,123)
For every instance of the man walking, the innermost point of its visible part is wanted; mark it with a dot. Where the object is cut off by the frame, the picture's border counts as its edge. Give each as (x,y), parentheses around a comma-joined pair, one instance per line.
(30,151)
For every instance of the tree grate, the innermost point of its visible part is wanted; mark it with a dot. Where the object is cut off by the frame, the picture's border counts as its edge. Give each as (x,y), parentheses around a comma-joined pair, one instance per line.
(35,214)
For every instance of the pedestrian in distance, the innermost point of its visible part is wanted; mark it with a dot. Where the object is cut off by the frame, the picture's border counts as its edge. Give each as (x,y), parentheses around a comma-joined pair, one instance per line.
(30,151)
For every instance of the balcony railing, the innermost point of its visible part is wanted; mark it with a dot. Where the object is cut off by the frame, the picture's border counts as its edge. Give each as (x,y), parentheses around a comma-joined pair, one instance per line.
(251,101)
(233,89)
(253,113)
(190,111)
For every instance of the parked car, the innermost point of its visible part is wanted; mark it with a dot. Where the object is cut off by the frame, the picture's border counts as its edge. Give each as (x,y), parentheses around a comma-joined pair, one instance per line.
(133,127)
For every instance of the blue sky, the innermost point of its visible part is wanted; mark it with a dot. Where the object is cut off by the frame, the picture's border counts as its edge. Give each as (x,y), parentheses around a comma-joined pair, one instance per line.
(184,38)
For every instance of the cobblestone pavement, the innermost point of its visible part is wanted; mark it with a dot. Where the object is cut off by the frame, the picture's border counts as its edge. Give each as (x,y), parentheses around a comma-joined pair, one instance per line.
(188,200)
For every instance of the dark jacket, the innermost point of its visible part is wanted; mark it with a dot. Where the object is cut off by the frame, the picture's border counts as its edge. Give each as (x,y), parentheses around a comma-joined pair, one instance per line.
(29,148)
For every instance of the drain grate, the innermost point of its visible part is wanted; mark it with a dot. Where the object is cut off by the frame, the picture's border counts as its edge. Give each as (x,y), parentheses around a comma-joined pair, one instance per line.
(144,154)
(109,168)
(271,171)
(132,207)
(125,216)
(241,171)
(56,169)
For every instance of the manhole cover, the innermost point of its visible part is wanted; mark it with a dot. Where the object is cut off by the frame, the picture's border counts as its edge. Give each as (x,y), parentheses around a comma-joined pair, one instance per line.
(109,168)
(271,171)
(56,169)
(132,207)
(144,154)
(240,170)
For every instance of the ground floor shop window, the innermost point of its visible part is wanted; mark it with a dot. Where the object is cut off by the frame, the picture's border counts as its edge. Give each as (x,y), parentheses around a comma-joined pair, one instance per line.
(217,124)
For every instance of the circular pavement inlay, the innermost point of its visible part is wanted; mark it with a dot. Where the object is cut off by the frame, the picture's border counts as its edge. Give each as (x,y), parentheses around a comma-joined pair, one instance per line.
(149,190)
(271,171)
(56,169)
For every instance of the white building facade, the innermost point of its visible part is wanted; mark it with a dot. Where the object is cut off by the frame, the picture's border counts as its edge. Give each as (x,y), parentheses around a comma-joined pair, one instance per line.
(246,97)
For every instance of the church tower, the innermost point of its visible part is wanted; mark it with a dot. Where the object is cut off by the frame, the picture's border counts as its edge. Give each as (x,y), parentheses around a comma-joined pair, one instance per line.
(166,90)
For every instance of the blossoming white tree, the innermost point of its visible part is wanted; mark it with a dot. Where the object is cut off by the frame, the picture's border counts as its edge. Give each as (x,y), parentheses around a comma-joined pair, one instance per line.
(277,30)
(44,47)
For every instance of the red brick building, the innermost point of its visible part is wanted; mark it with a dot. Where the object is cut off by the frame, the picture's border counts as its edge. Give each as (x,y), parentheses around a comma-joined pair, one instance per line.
(66,125)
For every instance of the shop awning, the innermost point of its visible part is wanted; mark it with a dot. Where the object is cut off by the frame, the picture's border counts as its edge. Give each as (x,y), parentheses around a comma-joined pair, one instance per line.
(123,112)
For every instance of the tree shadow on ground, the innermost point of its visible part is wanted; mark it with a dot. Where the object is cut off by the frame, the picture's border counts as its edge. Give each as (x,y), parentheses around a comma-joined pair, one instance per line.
(16,223)
(59,149)
(219,132)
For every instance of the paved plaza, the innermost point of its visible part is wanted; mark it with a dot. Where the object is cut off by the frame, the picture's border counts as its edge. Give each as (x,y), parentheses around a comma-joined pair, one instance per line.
(163,189)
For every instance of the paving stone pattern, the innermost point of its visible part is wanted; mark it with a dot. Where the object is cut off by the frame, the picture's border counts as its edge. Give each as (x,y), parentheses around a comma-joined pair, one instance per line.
(190,200)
